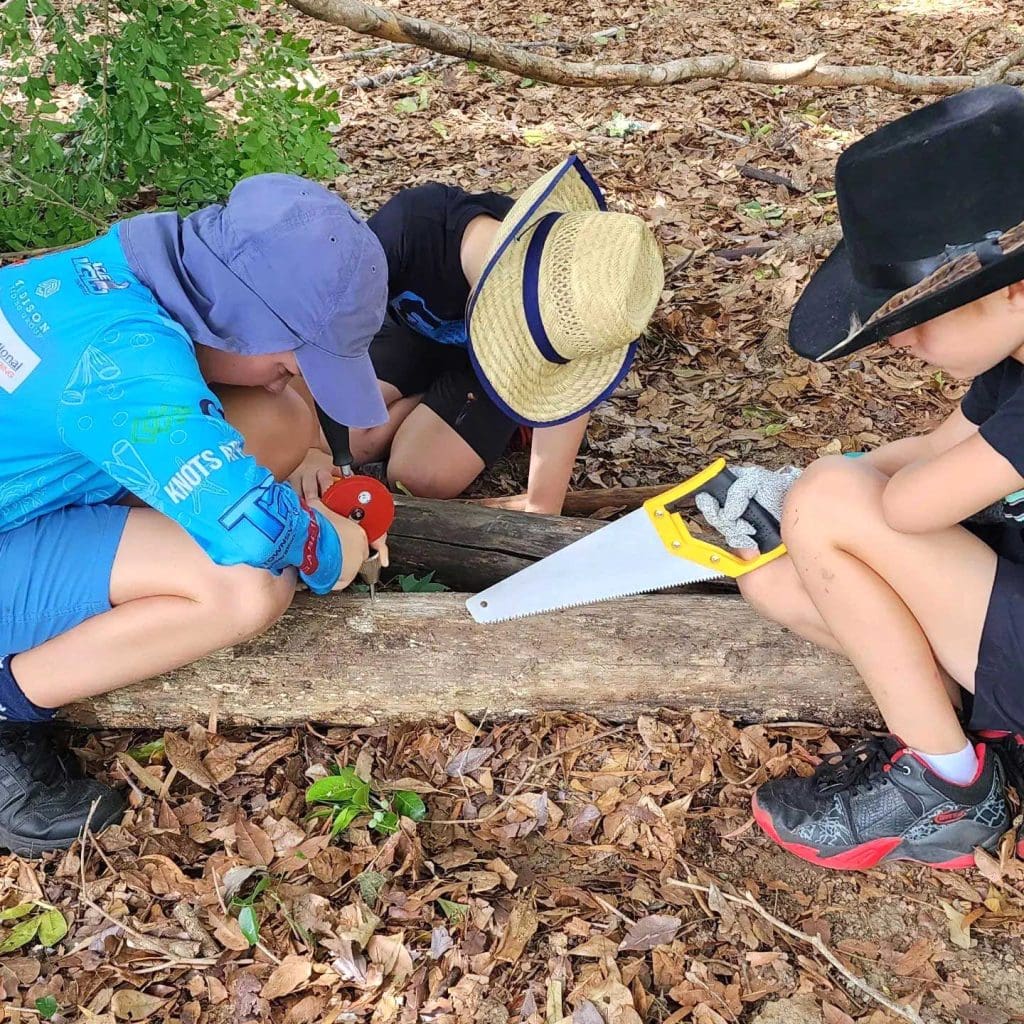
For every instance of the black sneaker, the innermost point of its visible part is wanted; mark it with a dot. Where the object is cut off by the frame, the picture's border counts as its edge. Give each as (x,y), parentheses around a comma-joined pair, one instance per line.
(878,801)
(44,801)
(1010,748)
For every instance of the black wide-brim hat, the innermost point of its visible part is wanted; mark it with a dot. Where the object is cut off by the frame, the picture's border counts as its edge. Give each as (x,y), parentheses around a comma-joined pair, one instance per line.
(932,211)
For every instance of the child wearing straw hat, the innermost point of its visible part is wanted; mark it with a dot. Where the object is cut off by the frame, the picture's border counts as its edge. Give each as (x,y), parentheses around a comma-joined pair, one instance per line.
(501,316)
(909,560)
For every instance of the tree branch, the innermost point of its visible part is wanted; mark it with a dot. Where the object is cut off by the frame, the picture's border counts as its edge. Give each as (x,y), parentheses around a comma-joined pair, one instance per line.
(383,23)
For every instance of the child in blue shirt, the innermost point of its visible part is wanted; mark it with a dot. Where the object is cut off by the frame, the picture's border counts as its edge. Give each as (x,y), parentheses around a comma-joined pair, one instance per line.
(107,355)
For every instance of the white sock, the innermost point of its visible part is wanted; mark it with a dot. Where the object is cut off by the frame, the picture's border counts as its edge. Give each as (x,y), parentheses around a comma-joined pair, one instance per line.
(959,768)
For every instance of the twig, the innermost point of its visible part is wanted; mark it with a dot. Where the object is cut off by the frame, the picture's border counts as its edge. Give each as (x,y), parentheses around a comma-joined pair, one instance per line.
(534,765)
(792,245)
(998,71)
(389,24)
(613,910)
(815,941)
(563,45)
(760,174)
(145,942)
(53,198)
(980,31)
(393,74)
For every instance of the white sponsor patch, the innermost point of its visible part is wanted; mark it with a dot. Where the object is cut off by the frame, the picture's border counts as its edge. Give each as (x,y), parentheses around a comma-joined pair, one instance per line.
(17,360)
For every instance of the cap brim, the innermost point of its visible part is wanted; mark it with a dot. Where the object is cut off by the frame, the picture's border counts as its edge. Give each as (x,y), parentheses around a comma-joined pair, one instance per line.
(824,324)
(345,387)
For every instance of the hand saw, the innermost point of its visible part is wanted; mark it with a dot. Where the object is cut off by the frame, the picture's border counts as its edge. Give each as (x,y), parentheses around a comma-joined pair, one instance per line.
(649,549)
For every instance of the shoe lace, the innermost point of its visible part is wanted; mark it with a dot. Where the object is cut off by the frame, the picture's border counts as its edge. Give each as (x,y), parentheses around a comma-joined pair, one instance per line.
(34,750)
(855,768)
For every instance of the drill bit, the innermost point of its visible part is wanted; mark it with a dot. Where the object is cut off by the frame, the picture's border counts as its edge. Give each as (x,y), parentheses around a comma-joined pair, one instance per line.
(369,573)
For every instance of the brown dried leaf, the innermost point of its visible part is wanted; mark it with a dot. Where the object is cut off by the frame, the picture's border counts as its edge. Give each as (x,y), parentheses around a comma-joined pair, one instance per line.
(252,843)
(183,756)
(290,974)
(522,924)
(468,761)
(130,1004)
(648,932)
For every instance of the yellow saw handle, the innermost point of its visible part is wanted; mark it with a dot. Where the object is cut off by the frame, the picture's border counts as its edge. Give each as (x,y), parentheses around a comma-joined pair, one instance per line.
(678,540)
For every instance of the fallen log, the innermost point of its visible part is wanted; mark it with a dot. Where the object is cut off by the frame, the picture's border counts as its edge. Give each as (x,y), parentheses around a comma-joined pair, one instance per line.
(468,546)
(347,660)
(591,500)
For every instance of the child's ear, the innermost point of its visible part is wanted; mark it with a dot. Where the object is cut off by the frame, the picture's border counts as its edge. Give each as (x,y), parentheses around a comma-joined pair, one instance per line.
(1015,294)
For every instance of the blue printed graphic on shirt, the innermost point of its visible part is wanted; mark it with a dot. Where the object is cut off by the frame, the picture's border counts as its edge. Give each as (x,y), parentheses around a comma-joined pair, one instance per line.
(100,393)
(411,310)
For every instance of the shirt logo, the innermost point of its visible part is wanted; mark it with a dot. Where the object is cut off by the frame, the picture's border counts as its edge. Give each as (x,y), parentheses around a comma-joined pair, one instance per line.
(93,277)
(48,287)
(17,360)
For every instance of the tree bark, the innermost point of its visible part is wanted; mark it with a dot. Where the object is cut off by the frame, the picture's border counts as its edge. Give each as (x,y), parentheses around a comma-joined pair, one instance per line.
(383,23)
(346,660)
(468,546)
(591,500)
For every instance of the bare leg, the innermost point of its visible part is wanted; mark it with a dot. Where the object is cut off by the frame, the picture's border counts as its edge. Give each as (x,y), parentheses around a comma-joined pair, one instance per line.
(430,459)
(900,605)
(373,444)
(172,605)
(278,429)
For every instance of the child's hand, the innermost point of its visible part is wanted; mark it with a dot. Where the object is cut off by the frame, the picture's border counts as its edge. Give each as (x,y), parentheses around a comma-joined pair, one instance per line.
(767,487)
(315,474)
(354,547)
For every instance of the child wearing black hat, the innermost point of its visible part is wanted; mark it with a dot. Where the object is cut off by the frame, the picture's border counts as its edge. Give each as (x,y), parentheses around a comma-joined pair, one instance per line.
(910,560)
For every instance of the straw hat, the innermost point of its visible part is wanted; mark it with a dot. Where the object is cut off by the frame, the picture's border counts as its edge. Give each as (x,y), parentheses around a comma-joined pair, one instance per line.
(567,290)
(932,211)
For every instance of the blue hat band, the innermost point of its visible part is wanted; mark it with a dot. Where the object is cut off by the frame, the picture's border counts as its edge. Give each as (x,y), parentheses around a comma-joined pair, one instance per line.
(531,289)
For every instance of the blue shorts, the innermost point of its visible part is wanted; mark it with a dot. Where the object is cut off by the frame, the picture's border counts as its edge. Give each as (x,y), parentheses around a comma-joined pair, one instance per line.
(56,573)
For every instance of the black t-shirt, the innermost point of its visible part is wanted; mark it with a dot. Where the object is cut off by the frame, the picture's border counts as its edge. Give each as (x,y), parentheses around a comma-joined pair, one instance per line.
(995,402)
(421,231)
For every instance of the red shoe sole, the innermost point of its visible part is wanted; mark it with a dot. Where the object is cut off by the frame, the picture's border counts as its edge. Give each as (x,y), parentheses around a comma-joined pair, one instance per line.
(857,858)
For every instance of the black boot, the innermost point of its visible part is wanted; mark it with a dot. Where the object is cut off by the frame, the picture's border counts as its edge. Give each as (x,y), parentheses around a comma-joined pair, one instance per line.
(44,801)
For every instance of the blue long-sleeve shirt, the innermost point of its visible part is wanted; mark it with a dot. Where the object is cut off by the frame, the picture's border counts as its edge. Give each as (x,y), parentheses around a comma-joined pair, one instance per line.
(100,393)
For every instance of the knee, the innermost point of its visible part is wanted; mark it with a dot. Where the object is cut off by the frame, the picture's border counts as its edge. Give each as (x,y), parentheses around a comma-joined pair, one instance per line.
(247,600)
(831,492)
(290,424)
(422,478)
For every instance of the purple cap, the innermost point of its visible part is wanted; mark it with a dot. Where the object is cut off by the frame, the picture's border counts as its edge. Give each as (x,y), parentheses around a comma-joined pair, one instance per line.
(322,271)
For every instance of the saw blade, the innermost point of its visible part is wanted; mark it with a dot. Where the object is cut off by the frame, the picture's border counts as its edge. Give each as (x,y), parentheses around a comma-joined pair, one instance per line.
(626,557)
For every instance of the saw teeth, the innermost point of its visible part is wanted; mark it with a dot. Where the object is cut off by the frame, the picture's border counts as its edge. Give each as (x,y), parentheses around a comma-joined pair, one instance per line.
(574,604)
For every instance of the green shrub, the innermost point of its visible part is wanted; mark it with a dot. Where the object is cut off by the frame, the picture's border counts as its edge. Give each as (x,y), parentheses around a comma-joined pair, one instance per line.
(131,77)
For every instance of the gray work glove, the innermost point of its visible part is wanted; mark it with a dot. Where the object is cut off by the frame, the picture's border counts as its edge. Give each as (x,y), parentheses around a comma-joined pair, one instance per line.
(765,486)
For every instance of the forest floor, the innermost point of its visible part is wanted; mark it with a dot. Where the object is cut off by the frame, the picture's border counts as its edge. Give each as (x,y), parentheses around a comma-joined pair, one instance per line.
(565,869)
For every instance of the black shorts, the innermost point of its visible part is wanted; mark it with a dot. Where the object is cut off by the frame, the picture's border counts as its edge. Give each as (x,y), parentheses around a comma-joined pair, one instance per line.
(444,376)
(998,701)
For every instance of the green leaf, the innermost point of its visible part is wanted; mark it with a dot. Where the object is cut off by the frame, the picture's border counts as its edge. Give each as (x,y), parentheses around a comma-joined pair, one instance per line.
(535,136)
(385,822)
(334,789)
(13,913)
(20,936)
(344,818)
(409,805)
(47,1007)
(420,585)
(407,105)
(249,922)
(455,912)
(52,928)
(146,751)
